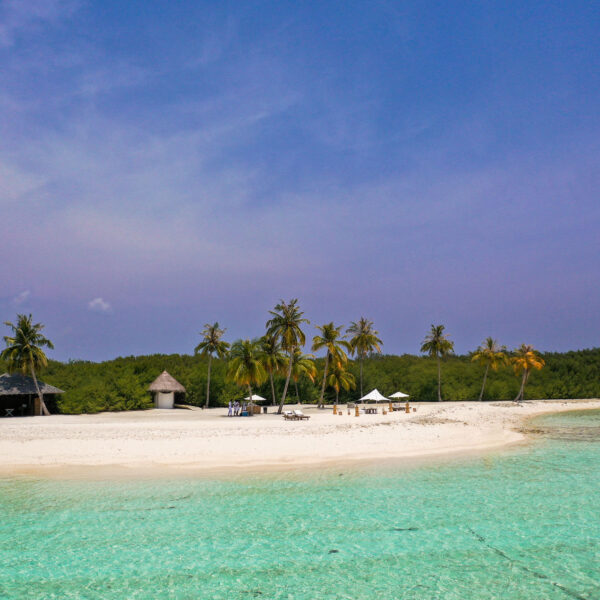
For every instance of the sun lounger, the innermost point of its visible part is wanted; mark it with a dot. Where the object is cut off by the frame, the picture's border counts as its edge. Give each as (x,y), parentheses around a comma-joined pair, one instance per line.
(288,415)
(300,415)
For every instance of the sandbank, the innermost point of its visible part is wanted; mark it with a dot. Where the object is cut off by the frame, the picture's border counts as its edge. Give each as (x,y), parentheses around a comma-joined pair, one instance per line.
(163,442)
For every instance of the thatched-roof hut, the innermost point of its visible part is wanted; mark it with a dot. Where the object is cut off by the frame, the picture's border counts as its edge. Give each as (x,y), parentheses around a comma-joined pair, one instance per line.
(18,395)
(164,388)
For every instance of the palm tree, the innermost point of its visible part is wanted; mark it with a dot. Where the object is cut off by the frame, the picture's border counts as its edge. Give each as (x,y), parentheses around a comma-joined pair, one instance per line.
(363,341)
(24,352)
(285,326)
(340,378)
(437,344)
(273,359)
(525,359)
(245,366)
(489,354)
(211,344)
(330,339)
(303,365)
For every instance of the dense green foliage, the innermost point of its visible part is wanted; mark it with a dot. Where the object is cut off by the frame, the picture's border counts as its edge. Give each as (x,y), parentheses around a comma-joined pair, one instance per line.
(121,384)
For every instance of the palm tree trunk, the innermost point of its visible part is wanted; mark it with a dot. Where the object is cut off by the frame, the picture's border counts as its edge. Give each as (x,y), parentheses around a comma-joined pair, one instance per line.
(522,389)
(324,380)
(287,382)
(250,405)
(439,380)
(487,368)
(297,394)
(272,387)
(361,376)
(43,406)
(208,381)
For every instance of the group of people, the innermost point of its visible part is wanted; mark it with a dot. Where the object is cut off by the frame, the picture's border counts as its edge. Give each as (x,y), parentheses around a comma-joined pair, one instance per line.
(236,409)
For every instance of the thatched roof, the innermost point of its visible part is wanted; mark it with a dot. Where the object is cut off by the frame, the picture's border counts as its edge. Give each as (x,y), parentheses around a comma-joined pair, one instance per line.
(165,383)
(20,385)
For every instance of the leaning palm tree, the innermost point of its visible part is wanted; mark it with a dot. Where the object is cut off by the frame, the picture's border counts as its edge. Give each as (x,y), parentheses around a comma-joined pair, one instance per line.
(285,326)
(303,365)
(363,341)
(245,367)
(24,352)
(489,355)
(437,345)
(340,378)
(330,339)
(272,358)
(210,345)
(525,359)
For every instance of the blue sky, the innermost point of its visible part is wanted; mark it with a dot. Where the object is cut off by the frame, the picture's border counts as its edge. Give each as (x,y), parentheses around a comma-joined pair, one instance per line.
(168,164)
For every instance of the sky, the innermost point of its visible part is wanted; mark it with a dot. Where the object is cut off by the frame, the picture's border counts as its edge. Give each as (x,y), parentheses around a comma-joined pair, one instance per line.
(169,164)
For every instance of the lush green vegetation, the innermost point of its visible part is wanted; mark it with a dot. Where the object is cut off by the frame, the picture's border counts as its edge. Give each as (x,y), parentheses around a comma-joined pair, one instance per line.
(121,384)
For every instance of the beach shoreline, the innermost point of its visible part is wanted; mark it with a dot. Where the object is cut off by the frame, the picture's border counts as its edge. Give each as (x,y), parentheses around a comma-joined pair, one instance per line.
(179,443)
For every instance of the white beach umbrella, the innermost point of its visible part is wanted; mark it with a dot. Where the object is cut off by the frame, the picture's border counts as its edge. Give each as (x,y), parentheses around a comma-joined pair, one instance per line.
(374,396)
(255,398)
(399,395)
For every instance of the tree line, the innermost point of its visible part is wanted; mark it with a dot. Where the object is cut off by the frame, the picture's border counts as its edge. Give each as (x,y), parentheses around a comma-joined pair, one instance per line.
(270,365)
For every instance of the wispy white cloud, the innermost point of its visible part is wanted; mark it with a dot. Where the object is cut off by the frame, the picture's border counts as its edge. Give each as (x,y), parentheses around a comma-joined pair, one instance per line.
(26,16)
(21,298)
(99,305)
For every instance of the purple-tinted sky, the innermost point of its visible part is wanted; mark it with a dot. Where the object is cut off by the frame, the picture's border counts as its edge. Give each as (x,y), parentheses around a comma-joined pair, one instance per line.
(167,164)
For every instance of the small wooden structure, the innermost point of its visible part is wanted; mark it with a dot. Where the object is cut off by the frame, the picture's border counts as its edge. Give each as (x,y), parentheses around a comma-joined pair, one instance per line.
(18,395)
(164,388)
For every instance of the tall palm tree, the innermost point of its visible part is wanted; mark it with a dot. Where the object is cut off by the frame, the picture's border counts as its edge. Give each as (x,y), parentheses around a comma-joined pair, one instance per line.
(24,352)
(437,345)
(340,378)
(489,354)
(210,345)
(245,367)
(273,359)
(525,359)
(363,341)
(285,326)
(303,365)
(330,339)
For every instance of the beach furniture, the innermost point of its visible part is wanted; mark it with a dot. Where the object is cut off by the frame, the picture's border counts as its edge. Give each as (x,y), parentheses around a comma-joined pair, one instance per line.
(399,395)
(300,415)
(288,415)
(374,396)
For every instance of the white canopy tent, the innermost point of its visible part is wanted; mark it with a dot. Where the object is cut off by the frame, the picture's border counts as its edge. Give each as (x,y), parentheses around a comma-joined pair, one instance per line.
(399,395)
(374,396)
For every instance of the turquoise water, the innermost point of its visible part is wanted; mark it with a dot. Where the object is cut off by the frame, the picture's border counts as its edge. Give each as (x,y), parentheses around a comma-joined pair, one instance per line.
(521,525)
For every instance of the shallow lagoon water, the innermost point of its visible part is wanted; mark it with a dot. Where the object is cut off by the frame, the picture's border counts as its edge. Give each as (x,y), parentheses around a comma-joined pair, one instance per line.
(519,525)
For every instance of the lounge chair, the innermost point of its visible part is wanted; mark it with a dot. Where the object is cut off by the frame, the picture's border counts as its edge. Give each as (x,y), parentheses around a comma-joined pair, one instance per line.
(300,415)
(288,415)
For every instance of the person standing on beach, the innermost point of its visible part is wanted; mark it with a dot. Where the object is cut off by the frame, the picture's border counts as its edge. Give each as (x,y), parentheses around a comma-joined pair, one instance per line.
(230,411)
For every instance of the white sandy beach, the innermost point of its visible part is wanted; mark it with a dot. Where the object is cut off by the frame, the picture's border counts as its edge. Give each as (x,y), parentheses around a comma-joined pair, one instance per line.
(156,440)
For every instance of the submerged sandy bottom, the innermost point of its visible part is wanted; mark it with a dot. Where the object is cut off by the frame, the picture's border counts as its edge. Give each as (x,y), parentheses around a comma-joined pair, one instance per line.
(171,441)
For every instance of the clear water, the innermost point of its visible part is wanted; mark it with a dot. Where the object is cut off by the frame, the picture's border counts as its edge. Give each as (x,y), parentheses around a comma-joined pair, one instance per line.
(520,525)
